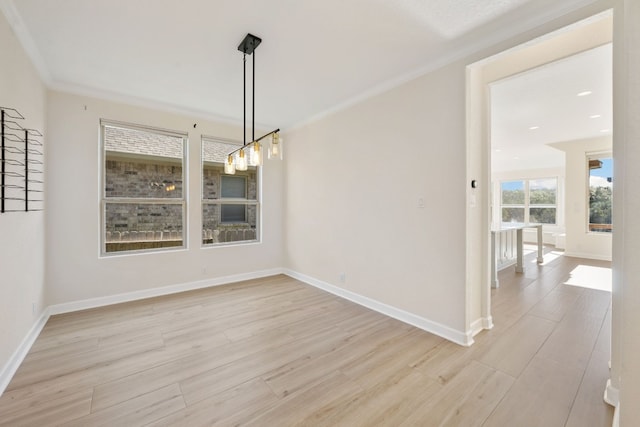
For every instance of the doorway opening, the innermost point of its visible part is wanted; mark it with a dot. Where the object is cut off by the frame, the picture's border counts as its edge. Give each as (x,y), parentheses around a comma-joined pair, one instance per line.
(507,195)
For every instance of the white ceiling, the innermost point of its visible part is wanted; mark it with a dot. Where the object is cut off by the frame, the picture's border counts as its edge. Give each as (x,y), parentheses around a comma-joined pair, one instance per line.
(546,99)
(316,55)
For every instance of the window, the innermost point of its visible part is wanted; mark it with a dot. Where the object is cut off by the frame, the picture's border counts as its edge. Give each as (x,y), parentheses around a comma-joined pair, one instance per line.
(513,205)
(600,193)
(529,201)
(230,204)
(234,187)
(143,203)
(543,200)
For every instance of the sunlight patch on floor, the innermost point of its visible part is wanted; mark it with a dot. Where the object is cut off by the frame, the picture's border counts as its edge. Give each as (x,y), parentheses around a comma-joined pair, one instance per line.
(587,276)
(547,258)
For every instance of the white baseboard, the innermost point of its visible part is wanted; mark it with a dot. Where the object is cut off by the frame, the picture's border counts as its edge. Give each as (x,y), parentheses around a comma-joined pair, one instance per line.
(487,322)
(506,264)
(458,337)
(478,326)
(475,329)
(156,292)
(14,362)
(612,397)
(611,394)
(587,256)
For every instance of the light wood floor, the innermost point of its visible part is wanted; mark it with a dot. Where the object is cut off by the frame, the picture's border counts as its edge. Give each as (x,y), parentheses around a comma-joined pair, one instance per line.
(276,352)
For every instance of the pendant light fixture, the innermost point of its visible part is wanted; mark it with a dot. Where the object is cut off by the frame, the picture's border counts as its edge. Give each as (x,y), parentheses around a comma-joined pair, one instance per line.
(251,154)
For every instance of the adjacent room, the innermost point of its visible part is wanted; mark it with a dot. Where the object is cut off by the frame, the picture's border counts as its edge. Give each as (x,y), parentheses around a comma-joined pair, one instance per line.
(319,213)
(551,158)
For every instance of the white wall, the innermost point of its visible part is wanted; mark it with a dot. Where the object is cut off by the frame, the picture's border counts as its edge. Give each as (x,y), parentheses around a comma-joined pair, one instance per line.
(75,271)
(22,234)
(580,242)
(353,184)
(354,179)
(625,339)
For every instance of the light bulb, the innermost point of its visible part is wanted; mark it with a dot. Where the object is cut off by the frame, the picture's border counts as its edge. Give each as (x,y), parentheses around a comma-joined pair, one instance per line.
(229,166)
(256,154)
(241,161)
(275,147)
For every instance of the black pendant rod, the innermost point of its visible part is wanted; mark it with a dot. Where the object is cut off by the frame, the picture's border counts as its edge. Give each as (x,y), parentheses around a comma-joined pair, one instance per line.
(253,99)
(244,100)
(257,140)
(26,170)
(3,166)
(248,47)
(267,134)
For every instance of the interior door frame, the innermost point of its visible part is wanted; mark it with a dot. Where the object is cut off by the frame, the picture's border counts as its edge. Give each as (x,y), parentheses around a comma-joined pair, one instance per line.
(581,34)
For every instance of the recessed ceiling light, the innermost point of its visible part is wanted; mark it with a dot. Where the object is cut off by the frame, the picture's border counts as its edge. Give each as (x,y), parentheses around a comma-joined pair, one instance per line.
(497,150)
(534,127)
(585,93)
(516,158)
(605,130)
(595,116)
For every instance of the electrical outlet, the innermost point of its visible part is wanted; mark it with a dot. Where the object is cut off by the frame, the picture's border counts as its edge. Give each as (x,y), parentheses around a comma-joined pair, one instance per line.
(343,278)
(33,308)
(420,202)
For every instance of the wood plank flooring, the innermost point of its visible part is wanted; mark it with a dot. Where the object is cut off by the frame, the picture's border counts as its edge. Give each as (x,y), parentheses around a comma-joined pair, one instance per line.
(276,352)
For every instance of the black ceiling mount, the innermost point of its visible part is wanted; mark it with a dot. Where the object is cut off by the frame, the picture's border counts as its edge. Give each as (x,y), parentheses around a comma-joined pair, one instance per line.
(249,44)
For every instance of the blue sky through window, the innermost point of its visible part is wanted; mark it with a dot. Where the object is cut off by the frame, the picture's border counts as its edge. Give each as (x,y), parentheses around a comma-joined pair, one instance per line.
(512,185)
(606,170)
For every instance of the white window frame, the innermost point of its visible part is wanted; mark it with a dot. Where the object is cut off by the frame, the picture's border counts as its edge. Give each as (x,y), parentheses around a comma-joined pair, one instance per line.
(104,200)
